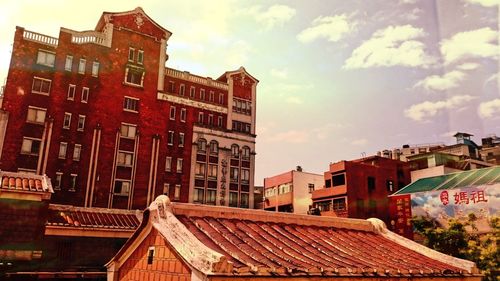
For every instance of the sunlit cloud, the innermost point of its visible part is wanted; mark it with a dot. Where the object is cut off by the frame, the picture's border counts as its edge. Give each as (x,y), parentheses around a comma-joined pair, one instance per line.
(428,109)
(468,66)
(440,83)
(407,1)
(412,15)
(279,73)
(295,136)
(276,15)
(391,46)
(479,43)
(331,28)
(489,109)
(238,54)
(486,3)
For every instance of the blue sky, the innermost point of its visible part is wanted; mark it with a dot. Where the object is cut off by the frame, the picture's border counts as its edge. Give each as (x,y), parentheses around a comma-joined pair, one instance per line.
(337,78)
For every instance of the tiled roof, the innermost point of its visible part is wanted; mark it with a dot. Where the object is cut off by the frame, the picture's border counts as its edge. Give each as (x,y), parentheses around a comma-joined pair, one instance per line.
(94,218)
(476,177)
(237,242)
(25,182)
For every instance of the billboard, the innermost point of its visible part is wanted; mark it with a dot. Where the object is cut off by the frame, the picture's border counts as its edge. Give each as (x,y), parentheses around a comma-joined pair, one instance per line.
(442,205)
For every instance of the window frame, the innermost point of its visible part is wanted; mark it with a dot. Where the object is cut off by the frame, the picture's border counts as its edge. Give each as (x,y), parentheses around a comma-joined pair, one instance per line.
(71,92)
(172,112)
(179,165)
(46,52)
(63,150)
(31,140)
(81,123)
(128,126)
(95,68)
(85,95)
(125,154)
(183,115)
(121,193)
(77,148)
(170,138)
(82,65)
(36,110)
(42,81)
(168,164)
(68,63)
(132,100)
(140,57)
(181,139)
(67,119)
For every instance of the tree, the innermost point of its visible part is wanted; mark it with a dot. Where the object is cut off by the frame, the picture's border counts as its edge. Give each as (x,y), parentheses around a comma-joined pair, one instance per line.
(461,240)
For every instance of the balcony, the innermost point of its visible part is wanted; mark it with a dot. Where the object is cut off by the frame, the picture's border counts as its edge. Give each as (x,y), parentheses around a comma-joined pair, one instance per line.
(280,200)
(329,192)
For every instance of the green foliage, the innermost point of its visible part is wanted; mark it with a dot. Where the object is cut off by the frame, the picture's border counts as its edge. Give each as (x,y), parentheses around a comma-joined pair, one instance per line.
(461,240)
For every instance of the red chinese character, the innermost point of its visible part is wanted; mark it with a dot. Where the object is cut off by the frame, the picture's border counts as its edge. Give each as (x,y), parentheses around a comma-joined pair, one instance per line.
(444,197)
(461,198)
(478,196)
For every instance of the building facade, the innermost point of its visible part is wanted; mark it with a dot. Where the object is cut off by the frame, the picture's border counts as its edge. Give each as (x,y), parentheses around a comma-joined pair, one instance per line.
(291,191)
(359,188)
(100,113)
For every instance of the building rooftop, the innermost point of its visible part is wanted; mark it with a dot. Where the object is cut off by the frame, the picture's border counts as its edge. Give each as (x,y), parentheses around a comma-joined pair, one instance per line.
(236,242)
(19,184)
(485,176)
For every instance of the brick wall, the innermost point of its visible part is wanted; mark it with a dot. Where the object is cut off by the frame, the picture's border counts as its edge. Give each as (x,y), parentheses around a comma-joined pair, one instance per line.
(166,264)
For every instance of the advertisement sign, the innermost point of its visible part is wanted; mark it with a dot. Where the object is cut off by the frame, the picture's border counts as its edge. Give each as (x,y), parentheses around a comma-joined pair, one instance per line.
(442,205)
(401,215)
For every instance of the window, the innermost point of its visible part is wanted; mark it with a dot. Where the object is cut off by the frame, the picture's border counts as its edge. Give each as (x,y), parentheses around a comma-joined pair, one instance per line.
(183,115)
(245,153)
(221,98)
(131,52)
(41,86)
(131,104)
(72,186)
(390,186)
(134,76)
(211,96)
(67,120)
(210,119)
(311,187)
(81,123)
(211,196)
(338,179)
(235,151)
(339,204)
(219,121)
(63,149)
(85,94)
(191,92)
(122,187)
(125,158)
(77,152)
(69,63)
(181,139)
(36,115)
(200,117)
(168,164)
(233,199)
(371,183)
(151,254)
(177,192)
(244,200)
(81,66)
(128,130)
(242,106)
(202,94)
(182,89)
(245,176)
(214,147)
(179,165)
(46,58)
(202,145)
(234,174)
(170,138)
(140,57)
(58,181)
(171,86)
(71,92)
(328,183)
(212,171)
(166,188)
(172,113)
(199,169)
(95,68)
(198,195)
(30,146)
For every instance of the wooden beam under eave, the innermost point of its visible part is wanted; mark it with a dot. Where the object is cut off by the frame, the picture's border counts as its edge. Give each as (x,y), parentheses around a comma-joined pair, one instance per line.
(52,230)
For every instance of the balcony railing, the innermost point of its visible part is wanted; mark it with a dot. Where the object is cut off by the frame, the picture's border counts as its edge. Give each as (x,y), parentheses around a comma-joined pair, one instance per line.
(40,38)
(197,79)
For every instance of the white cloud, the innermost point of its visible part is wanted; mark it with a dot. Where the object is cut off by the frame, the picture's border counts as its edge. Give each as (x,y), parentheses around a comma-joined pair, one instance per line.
(440,83)
(331,28)
(489,109)
(238,54)
(412,15)
(407,1)
(468,66)
(394,45)
(276,15)
(279,73)
(360,142)
(479,43)
(486,3)
(321,133)
(427,109)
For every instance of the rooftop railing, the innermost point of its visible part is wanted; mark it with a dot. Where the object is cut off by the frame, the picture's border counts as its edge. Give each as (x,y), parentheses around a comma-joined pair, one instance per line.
(195,78)
(40,38)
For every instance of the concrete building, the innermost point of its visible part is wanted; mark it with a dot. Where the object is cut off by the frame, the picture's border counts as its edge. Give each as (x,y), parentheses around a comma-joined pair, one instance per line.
(99,112)
(177,241)
(291,191)
(490,149)
(359,188)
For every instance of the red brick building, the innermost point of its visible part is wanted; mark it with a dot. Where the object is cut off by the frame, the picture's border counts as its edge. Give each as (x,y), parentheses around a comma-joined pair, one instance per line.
(178,241)
(359,188)
(99,113)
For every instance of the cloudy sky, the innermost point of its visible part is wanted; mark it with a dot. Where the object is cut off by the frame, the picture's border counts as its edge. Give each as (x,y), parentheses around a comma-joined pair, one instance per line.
(337,78)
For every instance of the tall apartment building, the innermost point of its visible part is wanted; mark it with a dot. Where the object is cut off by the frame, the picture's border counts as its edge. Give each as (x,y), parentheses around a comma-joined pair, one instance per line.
(100,113)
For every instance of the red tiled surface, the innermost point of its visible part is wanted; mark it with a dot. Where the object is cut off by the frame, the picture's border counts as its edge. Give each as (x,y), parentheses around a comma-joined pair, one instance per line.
(61,215)
(23,182)
(290,249)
